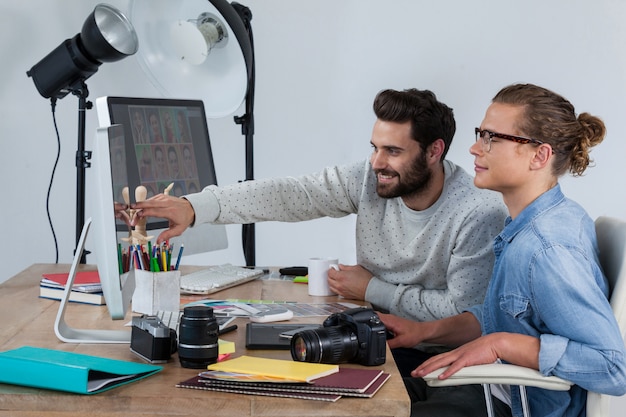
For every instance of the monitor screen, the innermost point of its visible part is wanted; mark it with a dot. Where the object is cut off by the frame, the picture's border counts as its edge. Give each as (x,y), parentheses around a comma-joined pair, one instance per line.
(166,144)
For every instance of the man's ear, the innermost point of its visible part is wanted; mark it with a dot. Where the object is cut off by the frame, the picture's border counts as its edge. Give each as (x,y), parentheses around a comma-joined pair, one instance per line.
(541,157)
(436,149)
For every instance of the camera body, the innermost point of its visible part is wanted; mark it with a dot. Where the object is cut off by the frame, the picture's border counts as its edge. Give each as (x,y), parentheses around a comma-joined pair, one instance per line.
(355,335)
(151,339)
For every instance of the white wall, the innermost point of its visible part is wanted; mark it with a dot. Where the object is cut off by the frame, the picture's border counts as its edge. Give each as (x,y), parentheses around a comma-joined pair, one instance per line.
(319,65)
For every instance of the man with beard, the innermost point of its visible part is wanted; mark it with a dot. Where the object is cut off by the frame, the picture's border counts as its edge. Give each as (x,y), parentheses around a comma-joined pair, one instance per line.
(423,231)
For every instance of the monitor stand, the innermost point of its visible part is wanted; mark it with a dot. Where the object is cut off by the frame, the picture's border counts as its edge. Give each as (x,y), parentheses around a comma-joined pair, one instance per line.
(71,335)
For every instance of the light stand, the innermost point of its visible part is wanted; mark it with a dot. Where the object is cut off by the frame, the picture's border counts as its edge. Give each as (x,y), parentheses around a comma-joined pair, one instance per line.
(82,162)
(106,36)
(247,129)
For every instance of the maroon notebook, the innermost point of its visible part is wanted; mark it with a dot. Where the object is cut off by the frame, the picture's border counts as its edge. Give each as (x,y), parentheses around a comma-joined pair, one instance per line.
(85,281)
(82,277)
(354,382)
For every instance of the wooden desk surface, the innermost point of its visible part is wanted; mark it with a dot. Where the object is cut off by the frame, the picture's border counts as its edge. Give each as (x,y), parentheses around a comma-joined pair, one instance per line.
(28,320)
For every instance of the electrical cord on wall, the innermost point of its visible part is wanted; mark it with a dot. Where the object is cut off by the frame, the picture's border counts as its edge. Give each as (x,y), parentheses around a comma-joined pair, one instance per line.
(53,103)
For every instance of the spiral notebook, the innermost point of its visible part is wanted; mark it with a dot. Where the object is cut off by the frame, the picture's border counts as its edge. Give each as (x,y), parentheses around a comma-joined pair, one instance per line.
(352,382)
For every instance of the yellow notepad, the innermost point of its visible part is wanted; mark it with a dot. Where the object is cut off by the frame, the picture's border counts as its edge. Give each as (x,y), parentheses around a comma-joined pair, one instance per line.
(289,370)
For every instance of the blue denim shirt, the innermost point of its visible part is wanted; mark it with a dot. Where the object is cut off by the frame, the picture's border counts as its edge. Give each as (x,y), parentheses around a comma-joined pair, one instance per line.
(547,283)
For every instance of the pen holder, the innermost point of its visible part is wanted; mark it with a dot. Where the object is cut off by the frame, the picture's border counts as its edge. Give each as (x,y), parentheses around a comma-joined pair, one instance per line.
(156,291)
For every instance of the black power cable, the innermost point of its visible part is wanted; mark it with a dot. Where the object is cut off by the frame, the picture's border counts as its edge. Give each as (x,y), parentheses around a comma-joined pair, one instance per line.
(53,104)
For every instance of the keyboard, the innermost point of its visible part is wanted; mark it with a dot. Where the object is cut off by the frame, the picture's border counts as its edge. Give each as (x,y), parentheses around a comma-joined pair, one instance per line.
(170,318)
(217,278)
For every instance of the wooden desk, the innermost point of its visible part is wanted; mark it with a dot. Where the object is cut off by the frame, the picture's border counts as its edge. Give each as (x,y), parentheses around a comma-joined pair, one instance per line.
(28,320)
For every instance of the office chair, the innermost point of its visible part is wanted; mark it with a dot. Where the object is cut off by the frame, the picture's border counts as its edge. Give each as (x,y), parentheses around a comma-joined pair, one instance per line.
(612,244)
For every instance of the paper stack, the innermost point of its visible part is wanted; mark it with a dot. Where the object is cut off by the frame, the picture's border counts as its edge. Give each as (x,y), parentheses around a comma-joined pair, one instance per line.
(290,379)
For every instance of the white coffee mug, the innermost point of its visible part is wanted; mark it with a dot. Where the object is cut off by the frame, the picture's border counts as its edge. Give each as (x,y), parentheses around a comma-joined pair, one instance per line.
(318,275)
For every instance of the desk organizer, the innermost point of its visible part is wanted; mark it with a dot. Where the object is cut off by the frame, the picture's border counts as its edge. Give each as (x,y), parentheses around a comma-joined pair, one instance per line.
(156,291)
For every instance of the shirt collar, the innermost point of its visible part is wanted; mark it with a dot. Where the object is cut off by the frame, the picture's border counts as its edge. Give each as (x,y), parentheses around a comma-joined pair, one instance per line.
(541,204)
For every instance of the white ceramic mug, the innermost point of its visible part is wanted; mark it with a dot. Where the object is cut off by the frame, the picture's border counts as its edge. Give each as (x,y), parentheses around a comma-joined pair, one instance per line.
(318,275)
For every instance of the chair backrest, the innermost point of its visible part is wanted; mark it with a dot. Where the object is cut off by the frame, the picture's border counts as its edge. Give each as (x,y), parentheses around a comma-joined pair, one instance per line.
(611,234)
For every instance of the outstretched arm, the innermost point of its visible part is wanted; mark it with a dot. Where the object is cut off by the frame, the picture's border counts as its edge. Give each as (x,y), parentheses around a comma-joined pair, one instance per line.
(178,211)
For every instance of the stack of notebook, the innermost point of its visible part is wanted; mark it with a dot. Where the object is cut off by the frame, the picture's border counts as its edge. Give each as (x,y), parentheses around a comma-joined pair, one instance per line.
(86,289)
(245,375)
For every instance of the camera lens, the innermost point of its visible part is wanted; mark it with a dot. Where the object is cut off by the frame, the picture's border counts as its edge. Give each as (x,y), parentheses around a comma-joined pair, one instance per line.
(336,344)
(197,339)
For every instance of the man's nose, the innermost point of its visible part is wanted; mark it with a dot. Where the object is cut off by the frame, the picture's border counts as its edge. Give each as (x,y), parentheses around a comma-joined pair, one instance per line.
(378,160)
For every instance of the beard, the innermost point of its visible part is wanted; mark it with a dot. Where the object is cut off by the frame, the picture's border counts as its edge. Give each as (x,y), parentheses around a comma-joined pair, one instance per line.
(416,179)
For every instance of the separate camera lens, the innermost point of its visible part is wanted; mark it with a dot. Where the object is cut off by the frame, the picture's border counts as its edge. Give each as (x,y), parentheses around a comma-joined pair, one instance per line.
(336,344)
(197,339)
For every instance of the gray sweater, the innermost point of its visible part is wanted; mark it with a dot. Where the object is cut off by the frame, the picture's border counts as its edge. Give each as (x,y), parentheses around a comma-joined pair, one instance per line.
(427,264)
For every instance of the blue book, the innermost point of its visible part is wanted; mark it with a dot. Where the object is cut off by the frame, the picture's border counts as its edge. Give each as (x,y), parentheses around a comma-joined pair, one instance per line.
(68,371)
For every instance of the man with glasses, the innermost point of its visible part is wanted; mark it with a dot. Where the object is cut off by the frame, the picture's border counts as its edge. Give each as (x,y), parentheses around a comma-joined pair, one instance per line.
(423,230)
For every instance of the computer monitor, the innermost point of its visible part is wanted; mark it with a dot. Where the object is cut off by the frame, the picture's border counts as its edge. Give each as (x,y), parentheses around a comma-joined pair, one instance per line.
(117,286)
(166,142)
(122,158)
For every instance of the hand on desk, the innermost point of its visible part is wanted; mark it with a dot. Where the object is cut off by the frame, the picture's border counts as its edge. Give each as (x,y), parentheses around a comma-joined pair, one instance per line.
(350,281)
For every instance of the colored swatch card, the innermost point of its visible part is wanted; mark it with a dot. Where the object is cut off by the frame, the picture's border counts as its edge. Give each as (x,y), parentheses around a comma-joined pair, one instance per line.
(225,347)
(289,370)
(241,307)
(68,371)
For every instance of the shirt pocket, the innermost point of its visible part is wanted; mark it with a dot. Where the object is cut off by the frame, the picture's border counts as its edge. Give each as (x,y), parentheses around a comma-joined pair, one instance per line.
(515,305)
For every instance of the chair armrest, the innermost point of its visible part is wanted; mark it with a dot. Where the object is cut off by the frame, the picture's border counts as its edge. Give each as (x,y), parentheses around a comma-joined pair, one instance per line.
(496,373)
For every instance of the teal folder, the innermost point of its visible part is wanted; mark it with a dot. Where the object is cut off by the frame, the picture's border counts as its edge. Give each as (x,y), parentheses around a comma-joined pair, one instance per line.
(68,371)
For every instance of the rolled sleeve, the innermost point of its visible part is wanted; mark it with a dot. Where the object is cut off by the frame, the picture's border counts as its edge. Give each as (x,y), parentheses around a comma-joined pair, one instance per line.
(552,350)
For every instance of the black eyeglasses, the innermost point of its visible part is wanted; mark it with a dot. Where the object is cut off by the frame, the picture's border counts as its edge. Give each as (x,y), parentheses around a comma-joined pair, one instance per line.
(487,136)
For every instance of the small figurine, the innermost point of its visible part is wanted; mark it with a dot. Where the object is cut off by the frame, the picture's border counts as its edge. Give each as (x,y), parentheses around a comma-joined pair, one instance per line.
(138,235)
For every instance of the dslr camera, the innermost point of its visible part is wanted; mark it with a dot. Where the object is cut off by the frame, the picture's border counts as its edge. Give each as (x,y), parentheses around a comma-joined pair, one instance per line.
(152,340)
(356,335)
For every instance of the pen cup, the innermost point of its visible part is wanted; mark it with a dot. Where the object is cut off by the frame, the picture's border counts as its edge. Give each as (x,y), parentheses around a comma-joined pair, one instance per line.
(156,291)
